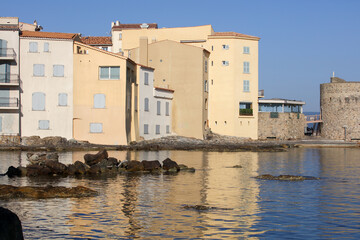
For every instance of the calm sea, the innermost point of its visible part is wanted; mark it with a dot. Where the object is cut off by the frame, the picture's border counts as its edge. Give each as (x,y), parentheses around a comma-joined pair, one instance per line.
(151,206)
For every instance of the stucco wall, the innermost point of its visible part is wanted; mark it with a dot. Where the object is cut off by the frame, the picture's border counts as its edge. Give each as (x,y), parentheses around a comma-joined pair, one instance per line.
(286,126)
(340,106)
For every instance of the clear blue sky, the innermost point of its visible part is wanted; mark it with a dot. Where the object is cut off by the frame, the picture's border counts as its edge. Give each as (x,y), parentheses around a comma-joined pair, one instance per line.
(302,41)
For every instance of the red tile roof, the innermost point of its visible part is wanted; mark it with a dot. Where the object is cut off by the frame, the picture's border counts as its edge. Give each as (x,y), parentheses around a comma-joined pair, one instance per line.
(9,27)
(234,34)
(97,40)
(48,35)
(133,26)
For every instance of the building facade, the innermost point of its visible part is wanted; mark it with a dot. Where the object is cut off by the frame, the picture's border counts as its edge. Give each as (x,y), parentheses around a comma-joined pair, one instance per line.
(9,76)
(102,96)
(47,83)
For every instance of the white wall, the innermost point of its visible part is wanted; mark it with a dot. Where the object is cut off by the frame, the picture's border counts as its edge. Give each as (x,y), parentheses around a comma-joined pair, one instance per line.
(60,117)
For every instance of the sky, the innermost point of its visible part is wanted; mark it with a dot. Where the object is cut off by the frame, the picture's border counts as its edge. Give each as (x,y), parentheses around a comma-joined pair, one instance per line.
(302,41)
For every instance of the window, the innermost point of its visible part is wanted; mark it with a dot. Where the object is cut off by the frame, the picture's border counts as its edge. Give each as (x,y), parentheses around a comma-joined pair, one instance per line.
(225,63)
(212,63)
(1,124)
(120,36)
(157,129)
(44,124)
(99,100)
(33,47)
(206,66)
(146,128)
(167,129)
(46,47)
(109,73)
(39,70)
(105,48)
(245,108)
(158,105)
(246,67)
(38,101)
(167,109)
(246,86)
(135,103)
(212,48)
(96,128)
(246,50)
(206,86)
(225,47)
(58,70)
(63,99)
(146,78)
(146,104)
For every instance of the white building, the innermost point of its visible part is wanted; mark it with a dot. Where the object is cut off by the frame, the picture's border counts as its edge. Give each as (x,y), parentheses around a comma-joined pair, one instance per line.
(47,83)
(154,106)
(9,76)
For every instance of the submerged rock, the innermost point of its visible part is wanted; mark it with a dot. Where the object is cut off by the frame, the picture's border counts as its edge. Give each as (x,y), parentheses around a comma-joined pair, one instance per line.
(235,166)
(10,192)
(92,159)
(10,225)
(134,166)
(170,165)
(203,207)
(184,168)
(286,177)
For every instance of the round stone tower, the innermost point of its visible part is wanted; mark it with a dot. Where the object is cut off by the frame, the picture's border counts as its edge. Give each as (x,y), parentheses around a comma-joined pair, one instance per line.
(340,109)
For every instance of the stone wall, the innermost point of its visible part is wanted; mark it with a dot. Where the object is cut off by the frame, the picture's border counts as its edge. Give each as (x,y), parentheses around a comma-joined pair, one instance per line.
(340,106)
(9,139)
(286,126)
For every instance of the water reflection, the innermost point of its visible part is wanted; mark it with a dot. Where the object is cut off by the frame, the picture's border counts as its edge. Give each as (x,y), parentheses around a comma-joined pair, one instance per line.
(151,206)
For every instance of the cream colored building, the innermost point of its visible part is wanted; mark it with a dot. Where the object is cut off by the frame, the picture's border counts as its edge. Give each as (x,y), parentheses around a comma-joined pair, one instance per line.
(9,76)
(232,80)
(47,83)
(182,68)
(102,96)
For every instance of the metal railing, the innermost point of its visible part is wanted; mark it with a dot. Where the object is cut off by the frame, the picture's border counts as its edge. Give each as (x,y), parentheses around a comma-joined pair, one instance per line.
(313,118)
(7,52)
(9,78)
(261,93)
(9,102)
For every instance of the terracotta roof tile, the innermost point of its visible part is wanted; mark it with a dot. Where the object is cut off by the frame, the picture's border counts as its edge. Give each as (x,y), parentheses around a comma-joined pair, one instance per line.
(48,35)
(9,27)
(97,40)
(233,34)
(133,26)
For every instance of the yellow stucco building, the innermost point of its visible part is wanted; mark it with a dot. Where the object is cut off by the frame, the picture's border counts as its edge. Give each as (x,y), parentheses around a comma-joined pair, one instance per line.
(102,95)
(232,81)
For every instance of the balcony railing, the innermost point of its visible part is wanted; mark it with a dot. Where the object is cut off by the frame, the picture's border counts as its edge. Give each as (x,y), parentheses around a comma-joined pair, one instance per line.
(9,79)
(261,93)
(246,112)
(7,53)
(9,102)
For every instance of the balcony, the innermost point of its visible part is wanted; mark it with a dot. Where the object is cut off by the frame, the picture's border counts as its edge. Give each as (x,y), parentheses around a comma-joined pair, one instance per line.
(9,79)
(9,103)
(7,54)
(246,112)
(261,93)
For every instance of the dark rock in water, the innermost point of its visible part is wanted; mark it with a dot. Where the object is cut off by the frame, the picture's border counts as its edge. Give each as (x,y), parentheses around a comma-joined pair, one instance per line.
(112,161)
(151,165)
(203,207)
(13,172)
(235,166)
(170,165)
(55,167)
(94,169)
(124,164)
(78,168)
(184,168)
(286,177)
(10,192)
(10,225)
(35,170)
(134,166)
(92,159)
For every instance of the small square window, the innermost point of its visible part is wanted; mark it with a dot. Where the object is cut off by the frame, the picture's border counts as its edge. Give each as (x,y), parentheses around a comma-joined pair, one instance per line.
(225,47)
(146,128)
(58,70)
(225,63)
(44,124)
(246,50)
(33,47)
(39,70)
(96,128)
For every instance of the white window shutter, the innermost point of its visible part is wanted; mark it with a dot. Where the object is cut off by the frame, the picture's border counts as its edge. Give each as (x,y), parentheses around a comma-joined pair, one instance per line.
(99,100)
(58,70)
(38,101)
(63,99)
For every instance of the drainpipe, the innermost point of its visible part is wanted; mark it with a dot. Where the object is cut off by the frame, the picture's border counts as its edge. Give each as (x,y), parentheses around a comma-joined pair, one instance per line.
(345,127)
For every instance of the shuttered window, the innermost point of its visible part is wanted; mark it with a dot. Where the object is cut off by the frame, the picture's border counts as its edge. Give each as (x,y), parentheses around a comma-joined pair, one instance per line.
(63,99)
(44,124)
(96,127)
(33,47)
(246,67)
(167,129)
(109,73)
(157,129)
(39,70)
(99,100)
(146,104)
(158,105)
(146,79)
(246,87)
(38,101)
(58,70)
(146,128)
(167,109)
(46,47)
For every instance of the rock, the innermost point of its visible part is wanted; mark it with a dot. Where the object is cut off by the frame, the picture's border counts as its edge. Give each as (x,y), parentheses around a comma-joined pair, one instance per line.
(286,177)
(32,141)
(170,165)
(55,141)
(94,169)
(56,167)
(134,166)
(78,168)
(10,192)
(184,168)
(92,159)
(23,171)
(73,142)
(151,165)
(109,163)
(124,164)
(13,172)
(34,170)
(52,156)
(10,225)
(37,158)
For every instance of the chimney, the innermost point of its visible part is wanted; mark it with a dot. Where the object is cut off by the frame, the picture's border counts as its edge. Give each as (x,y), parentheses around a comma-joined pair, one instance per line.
(143,51)
(112,24)
(117,23)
